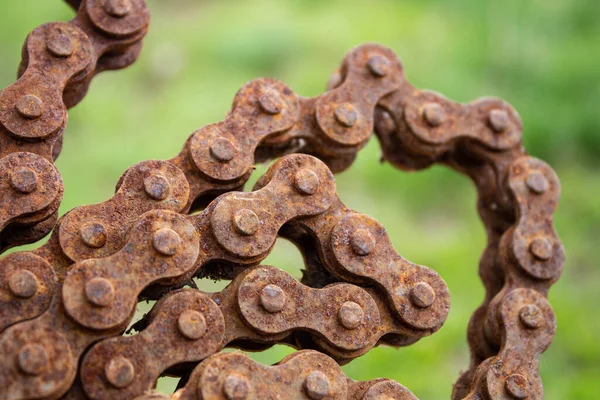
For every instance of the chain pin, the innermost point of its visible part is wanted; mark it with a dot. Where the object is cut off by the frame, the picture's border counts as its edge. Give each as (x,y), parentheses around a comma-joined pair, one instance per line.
(99,291)
(33,359)
(272,298)
(23,283)
(191,324)
(346,115)
(422,295)
(434,114)
(119,372)
(93,234)
(317,385)
(351,315)
(246,222)
(166,241)
(30,106)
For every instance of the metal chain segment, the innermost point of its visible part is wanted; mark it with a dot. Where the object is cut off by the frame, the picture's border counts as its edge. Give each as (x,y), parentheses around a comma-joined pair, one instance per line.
(301,375)
(185,326)
(264,294)
(416,129)
(517,195)
(59,61)
(357,249)
(215,159)
(527,319)
(163,247)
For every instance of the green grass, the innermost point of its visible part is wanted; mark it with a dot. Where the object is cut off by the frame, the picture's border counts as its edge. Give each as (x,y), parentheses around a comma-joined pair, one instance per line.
(541,56)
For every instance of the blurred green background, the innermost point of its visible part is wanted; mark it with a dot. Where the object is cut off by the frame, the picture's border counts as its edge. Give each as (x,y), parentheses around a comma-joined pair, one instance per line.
(541,56)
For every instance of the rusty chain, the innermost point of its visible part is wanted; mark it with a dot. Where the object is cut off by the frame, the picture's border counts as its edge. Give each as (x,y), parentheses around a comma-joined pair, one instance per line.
(65,305)
(59,61)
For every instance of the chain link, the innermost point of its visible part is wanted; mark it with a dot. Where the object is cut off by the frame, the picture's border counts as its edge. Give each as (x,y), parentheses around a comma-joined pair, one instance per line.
(65,305)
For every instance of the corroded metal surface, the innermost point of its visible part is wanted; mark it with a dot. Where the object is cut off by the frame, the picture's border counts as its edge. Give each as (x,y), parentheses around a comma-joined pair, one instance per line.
(64,306)
(59,61)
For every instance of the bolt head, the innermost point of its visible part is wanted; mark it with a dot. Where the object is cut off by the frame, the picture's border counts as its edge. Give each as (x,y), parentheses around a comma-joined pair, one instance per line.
(351,315)
(306,181)
(166,241)
(191,324)
(23,180)
(541,248)
(270,101)
(362,242)
(33,359)
(498,120)
(379,65)
(317,385)
(246,222)
(272,298)
(23,283)
(537,182)
(117,8)
(236,387)
(434,114)
(422,295)
(119,371)
(30,106)
(517,386)
(60,45)
(93,234)
(531,316)
(222,150)
(157,187)
(99,291)
(346,114)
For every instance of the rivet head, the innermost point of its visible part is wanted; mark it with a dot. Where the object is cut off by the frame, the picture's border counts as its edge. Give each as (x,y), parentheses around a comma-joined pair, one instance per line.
(385,124)
(117,8)
(99,291)
(351,315)
(434,114)
(23,283)
(166,241)
(346,114)
(23,180)
(270,101)
(537,182)
(362,242)
(306,181)
(60,45)
(30,106)
(222,150)
(516,385)
(157,187)
(531,316)
(191,324)
(33,359)
(317,385)
(498,120)
(379,65)
(422,295)
(541,248)
(246,222)
(93,234)
(236,387)
(272,298)
(119,371)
